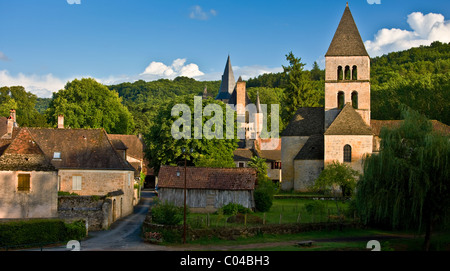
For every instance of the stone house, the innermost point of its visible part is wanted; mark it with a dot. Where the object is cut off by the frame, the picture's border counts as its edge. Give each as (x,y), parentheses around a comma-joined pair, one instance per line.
(131,147)
(208,189)
(28,181)
(80,161)
(88,164)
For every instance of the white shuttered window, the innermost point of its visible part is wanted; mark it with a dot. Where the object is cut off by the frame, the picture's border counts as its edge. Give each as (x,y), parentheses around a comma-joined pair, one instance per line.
(76,182)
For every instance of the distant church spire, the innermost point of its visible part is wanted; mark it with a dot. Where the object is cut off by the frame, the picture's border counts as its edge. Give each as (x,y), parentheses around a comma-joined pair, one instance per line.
(258,104)
(228,82)
(205,92)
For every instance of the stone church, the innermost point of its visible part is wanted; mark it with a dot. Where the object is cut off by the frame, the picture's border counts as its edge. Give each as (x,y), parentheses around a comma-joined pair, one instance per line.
(341,130)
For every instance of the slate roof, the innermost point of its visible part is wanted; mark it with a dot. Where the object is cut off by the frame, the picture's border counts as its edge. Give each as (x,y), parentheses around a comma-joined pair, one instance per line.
(23,153)
(228,83)
(347,40)
(208,178)
(348,122)
(306,121)
(313,149)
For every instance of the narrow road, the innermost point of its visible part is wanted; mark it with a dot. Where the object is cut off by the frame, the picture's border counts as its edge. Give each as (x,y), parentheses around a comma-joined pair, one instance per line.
(125,233)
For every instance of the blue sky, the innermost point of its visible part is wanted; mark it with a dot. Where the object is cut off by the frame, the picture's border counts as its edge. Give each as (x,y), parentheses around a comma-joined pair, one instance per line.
(45,43)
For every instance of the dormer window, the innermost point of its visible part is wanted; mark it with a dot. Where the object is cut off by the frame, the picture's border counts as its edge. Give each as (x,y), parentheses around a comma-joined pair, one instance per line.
(57,155)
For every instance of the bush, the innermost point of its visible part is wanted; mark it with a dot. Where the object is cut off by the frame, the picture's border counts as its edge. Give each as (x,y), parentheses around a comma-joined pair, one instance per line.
(263,195)
(263,200)
(76,230)
(167,214)
(316,207)
(234,208)
(39,231)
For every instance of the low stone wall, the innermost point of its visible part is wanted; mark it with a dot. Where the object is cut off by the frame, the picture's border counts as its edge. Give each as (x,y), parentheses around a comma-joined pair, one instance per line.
(95,210)
(231,233)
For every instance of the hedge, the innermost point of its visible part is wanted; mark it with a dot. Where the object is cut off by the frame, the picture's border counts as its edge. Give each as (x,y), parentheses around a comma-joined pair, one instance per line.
(39,231)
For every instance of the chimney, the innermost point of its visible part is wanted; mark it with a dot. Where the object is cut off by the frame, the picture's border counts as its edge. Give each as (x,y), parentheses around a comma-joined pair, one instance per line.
(60,121)
(240,94)
(12,114)
(9,126)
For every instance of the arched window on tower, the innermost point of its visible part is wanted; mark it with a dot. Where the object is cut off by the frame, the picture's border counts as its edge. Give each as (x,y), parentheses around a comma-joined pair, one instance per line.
(341,99)
(340,73)
(355,99)
(355,73)
(347,73)
(347,153)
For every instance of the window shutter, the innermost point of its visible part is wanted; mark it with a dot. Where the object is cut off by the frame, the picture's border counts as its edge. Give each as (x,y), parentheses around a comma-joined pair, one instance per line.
(76,182)
(23,182)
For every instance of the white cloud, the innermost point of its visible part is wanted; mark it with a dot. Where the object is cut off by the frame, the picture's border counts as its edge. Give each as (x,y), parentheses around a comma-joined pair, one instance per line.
(197,13)
(425,29)
(71,2)
(157,70)
(42,86)
(3,57)
(374,2)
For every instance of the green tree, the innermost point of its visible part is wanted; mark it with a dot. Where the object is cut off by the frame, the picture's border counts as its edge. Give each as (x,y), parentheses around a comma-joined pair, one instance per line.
(16,97)
(86,103)
(164,149)
(406,185)
(337,174)
(316,73)
(261,167)
(300,91)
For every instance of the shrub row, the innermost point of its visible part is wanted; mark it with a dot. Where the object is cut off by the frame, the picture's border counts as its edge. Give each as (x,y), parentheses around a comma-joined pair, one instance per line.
(39,231)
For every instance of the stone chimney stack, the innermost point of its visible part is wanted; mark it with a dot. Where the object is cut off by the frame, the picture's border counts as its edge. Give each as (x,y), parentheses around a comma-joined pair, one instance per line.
(12,114)
(240,95)
(11,122)
(9,126)
(60,121)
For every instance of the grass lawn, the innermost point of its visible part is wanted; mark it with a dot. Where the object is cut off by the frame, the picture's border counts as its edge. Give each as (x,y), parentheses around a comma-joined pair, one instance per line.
(345,240)
(303,210)
(290,210)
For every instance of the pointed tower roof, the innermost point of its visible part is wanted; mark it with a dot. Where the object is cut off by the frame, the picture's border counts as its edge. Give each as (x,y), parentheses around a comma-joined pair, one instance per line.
(349,122)
(228,83)
(347,40)
(258,104)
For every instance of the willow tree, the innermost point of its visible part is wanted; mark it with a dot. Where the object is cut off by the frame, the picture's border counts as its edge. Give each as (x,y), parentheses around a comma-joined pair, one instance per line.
(407,185)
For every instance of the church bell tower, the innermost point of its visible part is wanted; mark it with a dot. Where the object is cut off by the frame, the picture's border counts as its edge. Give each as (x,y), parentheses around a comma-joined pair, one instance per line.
(347,72)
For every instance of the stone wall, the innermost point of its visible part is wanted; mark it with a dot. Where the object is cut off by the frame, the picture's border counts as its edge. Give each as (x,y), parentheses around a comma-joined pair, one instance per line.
(290,146)
(332,63)
(306,172)
(98,211)
(361,145)
(39,202)
(101,182)
(232,233)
